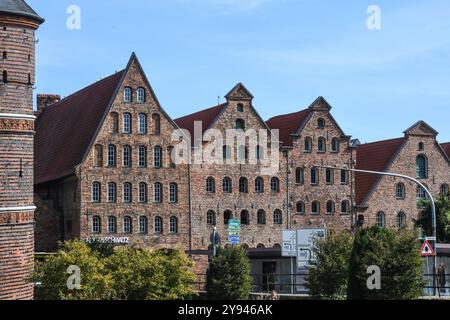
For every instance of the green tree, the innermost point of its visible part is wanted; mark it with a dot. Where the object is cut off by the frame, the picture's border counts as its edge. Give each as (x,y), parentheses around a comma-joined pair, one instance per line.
(396,253)
(442,219)
(229,275)
(328,275)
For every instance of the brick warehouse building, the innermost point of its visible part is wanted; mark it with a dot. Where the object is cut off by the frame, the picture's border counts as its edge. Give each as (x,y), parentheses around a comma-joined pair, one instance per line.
(18,23)
(103,169)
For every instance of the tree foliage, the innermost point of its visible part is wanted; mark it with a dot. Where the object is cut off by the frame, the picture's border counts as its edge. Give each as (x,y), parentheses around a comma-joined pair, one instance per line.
(442,219)
(328,275)
(229,275)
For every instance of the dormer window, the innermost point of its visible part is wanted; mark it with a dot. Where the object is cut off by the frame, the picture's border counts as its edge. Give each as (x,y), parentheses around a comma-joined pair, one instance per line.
(127,94)
(140,95)
(321,123)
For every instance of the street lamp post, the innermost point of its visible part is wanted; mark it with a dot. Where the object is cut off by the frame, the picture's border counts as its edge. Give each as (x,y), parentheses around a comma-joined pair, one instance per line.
(433,206)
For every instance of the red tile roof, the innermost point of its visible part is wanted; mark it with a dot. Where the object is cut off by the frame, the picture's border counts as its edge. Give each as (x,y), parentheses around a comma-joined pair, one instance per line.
(65,129)
(374,156)
(288,124)
(446,147)
(206,116)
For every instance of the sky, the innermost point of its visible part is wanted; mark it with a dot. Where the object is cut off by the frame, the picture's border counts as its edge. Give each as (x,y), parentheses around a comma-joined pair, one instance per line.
(286,52)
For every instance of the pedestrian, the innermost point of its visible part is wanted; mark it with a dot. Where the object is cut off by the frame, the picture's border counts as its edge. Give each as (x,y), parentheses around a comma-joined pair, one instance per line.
(441,278)
(274,295)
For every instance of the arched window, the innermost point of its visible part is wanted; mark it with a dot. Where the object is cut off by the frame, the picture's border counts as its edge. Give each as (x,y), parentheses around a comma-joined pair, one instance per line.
(158,226)
(96,192)
(315,207)
(421,194)
(400,191)
(127,156)
(96,224)
(210,185)
(156,123)
(321,144)
(211,218)
(259,185)
(173,225)
(421,167)
(344,177)
(127,94)
(126,122)
(444,190)
(329,176)
(308,144)
(114,122)
(277,217)
(330,207)
(143,192)
(300,207)
(143,225)
(127,224)
(140,95)
(243,185)
(320,123)
(157,192)
(245,219)
(299,176)
(381,220)
(314,176)
(227,216)
(335,145)
(173,193)
(345,207)
(260,246)
(401,220)
(112,192)
(142,157)
(98,155)
(227,185)
(127,190)
(240,124)
(275,185)
(157,157)
(421,146)
(142,123)
(112,224)
(261,216)
(111,155)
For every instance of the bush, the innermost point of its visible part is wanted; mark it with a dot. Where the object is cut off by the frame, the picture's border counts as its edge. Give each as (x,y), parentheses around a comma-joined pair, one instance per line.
(329,274)
(229,276)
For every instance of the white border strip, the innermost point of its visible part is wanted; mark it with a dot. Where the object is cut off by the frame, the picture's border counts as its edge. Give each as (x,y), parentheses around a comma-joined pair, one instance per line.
(16,116)
(15,209)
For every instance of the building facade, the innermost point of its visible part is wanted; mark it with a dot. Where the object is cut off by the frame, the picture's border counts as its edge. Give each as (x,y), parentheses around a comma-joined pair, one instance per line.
(18,23)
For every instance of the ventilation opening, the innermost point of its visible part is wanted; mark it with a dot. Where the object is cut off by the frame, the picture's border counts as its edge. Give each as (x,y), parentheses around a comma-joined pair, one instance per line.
(29,78)
(5,76)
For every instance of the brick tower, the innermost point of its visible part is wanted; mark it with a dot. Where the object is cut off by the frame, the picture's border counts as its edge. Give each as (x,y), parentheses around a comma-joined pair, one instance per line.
(18,23)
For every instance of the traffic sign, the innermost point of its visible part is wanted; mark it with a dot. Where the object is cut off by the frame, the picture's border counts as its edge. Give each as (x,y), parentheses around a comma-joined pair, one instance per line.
(234,229)
(427,250)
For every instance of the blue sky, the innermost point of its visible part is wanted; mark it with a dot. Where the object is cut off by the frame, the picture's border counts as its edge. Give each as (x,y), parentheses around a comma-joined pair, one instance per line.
(287,53)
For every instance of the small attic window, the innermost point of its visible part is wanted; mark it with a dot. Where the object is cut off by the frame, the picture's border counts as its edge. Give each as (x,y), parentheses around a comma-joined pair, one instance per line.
(421,146)
(321,123)
(240,107)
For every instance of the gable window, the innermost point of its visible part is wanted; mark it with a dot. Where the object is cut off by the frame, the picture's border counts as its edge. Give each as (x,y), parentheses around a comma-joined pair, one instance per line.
(127,192)
(143,192)
(111,155)
(127,156)
(335,145)
(300,207)
(140,95)
(96,191)
(127,94)
(210,185)
(244,217)
(240,107)
(380,219)
(156,123)
(114,122)
(308,144)
(261,216)
(157,157)
(240,124)
(142,156)
(330,207)
(227,216)
(314,176)
(173,193)
(227,185)
(96,224)
(329,176)
(98,155)
(243,185)
(315,207)
(112,224)
(158,227)
(275,185)
(345,207)
(126,122)
(211,218)
(259,185)
(142,123)
(173,225)
(400,191)
(143,225)
(421,146)
(299,176)
(401,220)
(112,192)
(421,167)
(321,145)
(321,123)
(444,191)
(277,217)
(157,192)
(127,225)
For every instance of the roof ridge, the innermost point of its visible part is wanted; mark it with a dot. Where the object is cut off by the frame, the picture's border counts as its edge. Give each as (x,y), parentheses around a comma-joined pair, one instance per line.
(200,111)
(381,141)
(288,114)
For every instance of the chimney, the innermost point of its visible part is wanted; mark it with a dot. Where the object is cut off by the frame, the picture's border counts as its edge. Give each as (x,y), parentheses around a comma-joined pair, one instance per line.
(45,100)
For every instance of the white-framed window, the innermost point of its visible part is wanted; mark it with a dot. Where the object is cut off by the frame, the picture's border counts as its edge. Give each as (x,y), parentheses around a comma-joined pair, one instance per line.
(157,192)
(112,192)
(321,144)
(157,157)
(401,220)
(142,123)
(299,176)
(173,225)
(142,157)
(127,224)
(400,191)
(127,156)
(96,192)
(330,207)
(259,185)
(344,176)
(211,218)
(381,219)
(245,219)
(96,224)
(127,196)
(210,185)
(243,185)
(126,122)
(173,193)
(143,225)
(335,144)
(112,224)
(314,176)
(143,192)
(308,144)
(421,194)
(140,95)
(261,217)
(227,185)
(300,206)
(277,217)
(158,226)
(127,94)
(329,176)
(112,155)
(275,185)
(345,207)
(315,207)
